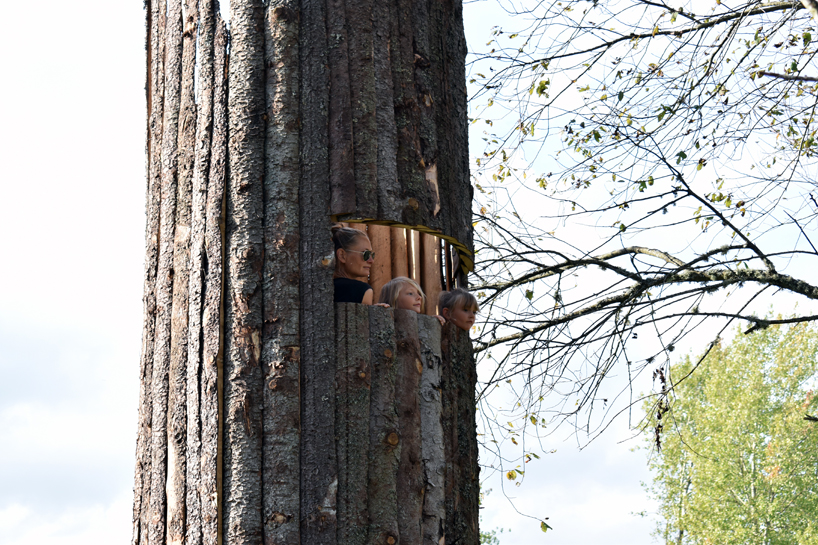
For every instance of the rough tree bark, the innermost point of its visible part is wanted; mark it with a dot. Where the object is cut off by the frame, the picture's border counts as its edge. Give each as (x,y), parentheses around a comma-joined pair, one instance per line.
(266,414)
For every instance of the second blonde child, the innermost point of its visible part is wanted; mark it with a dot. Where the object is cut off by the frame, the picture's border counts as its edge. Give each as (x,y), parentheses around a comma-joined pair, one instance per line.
(459,307)
(404,293)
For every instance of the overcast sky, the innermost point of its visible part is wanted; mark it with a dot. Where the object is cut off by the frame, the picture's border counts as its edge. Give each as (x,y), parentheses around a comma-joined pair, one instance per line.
(72,150)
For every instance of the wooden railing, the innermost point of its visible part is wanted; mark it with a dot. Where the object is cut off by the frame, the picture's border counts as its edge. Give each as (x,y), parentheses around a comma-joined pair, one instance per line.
(405,429)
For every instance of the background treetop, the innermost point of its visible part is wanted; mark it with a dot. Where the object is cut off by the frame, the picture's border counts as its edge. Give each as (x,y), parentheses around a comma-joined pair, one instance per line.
(648,174)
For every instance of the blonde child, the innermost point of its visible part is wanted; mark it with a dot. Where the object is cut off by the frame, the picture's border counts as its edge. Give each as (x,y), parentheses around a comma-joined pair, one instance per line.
(459,307)
(404,293)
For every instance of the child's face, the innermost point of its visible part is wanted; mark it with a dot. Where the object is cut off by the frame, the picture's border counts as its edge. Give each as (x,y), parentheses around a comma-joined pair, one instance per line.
(410,299)
(461,317)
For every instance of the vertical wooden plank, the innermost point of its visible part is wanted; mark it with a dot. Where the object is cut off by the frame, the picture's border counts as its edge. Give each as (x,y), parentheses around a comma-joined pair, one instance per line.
(407,118)
(451,110)
(318,463)
(381,271)
(196,288)
(213,303)
(341,152)
(407,394)
(426,64)
(280,336)
(389,190)
(413,251)
(384,441)
(432,442)
(244,266)
(430,271)
(400,262)
(352,379)
(462,484)
(362,227)
(177,380)
(449,271)
(466,373)
(164,284)
(448,389)
(154,87)
(362,86)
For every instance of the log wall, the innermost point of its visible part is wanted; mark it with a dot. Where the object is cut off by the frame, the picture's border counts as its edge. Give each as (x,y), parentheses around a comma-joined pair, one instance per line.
(261,134)
(404,401)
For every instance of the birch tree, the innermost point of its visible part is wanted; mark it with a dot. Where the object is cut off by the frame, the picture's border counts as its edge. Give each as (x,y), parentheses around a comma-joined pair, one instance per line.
(738,461)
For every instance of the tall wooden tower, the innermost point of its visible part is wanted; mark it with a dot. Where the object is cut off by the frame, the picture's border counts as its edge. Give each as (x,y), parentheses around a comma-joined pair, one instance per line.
(268,414)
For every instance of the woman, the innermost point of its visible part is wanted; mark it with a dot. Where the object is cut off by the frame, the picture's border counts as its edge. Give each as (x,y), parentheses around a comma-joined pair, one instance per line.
(353,259)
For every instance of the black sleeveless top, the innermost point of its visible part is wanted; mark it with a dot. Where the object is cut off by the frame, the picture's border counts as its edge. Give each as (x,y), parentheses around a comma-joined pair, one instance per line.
(348,290)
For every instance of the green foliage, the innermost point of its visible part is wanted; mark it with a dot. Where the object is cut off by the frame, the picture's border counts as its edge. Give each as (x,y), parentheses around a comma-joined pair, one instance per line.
(738,462)
(489,538)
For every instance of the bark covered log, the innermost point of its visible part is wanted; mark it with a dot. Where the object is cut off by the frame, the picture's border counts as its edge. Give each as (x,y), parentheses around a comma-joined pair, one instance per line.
(407,386)
(384,441)
(431,433)
(352,385)
(243,277)
(280,353)
(154,85)
(318,463)
(177,379)
(212,332)
(157,530)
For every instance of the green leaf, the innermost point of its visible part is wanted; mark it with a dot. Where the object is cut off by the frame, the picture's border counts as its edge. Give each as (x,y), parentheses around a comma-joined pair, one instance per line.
(807,38)
(544,526)
(511,475)
(621,95)
(529,294)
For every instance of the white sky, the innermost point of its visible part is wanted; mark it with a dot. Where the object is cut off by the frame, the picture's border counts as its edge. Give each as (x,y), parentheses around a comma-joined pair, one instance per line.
(72,150)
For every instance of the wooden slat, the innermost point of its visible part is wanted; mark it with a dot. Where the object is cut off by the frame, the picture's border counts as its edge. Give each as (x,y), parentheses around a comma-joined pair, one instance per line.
(196,289)
(384,441)
(407,393)
(381,271)
(318,463)
(430,268)
(362,87)
(341,153)
(213,304)
(164,285)
(413,250)
(431,434)
(407,117)
(462,483)
(389,189)
(449,269)
(469,485)
(400,261)
(352,379)
(155,28)
(359,226)
(243,384)
(280,352)
(178,383)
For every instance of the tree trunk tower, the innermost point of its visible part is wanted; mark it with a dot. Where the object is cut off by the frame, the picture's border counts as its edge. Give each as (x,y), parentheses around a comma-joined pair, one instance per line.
(268,414)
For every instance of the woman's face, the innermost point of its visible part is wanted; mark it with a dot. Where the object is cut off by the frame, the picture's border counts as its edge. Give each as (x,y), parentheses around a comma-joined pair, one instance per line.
(351,261)
(410,299)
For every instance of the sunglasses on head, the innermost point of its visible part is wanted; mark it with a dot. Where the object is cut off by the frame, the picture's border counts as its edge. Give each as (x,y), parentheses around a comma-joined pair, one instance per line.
(366,254)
